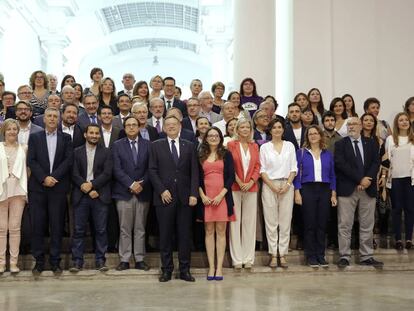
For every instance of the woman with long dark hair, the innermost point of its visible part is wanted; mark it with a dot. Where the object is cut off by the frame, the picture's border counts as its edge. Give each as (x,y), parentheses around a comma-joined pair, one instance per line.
(107,94)
(349,105)
(250,100)
(337,106)
(216,179)
(316,103)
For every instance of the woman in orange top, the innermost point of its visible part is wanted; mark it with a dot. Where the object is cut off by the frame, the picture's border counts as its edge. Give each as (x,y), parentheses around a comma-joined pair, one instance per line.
(246,160)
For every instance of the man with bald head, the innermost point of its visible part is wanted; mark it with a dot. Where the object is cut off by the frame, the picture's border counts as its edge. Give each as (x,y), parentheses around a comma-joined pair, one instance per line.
(357,163)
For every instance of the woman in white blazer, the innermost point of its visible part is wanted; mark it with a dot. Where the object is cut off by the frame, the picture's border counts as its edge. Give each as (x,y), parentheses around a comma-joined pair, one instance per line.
(13,192)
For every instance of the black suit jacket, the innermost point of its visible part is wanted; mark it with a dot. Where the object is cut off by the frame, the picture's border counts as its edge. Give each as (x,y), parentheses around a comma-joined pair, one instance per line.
(102,173)
(84,121)
(289,135)
(184,134)
(152,132)
(114,136)
(346,169)
(186,124)
(178,104)
(182,179)
(78,137)
(38,162)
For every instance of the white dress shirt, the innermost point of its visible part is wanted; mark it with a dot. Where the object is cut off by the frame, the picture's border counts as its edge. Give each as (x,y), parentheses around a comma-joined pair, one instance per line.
(68,130)
(24,133)
(278,165)
(106,136)
(177,144)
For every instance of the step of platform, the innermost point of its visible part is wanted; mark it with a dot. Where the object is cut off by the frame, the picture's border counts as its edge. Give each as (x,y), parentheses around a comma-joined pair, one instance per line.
(199,259)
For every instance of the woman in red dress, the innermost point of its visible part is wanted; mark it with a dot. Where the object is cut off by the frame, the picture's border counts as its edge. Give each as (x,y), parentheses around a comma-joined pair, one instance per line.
(216,178)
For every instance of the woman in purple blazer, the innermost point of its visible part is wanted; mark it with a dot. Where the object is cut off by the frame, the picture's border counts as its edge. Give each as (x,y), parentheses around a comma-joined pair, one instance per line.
(315,190)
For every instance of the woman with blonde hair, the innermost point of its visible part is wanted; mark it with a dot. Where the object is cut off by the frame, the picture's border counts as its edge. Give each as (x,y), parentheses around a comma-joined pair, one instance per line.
(245,153)
(13,192)
(156,85)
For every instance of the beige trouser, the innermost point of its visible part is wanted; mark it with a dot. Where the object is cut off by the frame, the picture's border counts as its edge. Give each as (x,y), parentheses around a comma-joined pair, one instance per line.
(277,210)
(11,211)
(243,230)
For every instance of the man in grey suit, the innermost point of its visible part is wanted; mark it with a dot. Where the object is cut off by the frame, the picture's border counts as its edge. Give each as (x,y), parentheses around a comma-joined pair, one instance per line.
(206,101)
(124,105)
(109,132)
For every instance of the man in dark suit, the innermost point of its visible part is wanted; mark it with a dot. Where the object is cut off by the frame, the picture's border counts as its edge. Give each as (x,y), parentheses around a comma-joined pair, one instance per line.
(69,125)
(124,105)
(193,111)
(91,196)
(132,192)
(261,121)
(53,101)
(109,132)
(295,133)
(184,133)
(157,112)
(356,165)
(140,112)
(169,99)
(173,170)
(49,158)
(91,104)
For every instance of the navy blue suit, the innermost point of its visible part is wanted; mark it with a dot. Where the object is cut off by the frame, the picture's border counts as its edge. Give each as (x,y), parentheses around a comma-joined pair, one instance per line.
(126,172)
(177,104)
(84,205)
(181,180)
(48,203)
(186,124)
(184,134)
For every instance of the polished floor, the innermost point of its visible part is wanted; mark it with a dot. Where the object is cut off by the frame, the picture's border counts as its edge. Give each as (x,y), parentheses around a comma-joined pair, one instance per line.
(311,291)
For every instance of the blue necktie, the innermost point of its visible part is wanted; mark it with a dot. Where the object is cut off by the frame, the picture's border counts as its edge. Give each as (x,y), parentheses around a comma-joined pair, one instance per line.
(93,119)
(360,163)
(174,152)
(134,152)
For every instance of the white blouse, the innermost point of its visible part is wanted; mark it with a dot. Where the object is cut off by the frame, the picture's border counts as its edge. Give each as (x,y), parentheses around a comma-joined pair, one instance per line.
(278,165)
(317,168)
(343,130)
(245,160)
(400,157)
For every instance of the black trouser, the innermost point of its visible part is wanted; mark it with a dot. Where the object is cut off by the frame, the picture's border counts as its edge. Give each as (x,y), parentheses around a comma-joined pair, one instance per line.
(112,227)
(402,198)
(175,218)
(333,226)
(316,202)
(47,209)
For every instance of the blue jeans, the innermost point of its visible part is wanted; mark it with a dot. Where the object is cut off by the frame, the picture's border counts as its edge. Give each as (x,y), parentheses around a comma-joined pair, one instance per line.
(99,213)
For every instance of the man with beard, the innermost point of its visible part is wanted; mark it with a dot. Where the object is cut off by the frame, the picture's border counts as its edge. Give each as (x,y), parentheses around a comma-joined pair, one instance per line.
(295,133)
(69,125)
(109,132)
(331,136)
(23,114)
(91,196)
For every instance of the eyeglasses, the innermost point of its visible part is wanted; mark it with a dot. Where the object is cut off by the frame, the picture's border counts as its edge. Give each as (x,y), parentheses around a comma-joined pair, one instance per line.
(25,93)
(215,136)
(352,124)
(22,109)
(131,125)
(39,77)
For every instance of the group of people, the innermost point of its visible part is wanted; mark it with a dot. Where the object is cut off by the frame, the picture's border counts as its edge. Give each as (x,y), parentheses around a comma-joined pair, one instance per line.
(143,159)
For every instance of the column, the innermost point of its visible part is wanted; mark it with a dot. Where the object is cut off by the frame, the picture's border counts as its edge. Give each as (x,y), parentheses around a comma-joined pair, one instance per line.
(254,44)
(220,57)
(55,45)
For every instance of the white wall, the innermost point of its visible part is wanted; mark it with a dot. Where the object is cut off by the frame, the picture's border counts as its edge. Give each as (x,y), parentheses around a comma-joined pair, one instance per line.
(359,47)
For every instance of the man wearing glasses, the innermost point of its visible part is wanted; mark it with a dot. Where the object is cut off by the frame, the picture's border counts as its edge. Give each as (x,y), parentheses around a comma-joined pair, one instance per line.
(128,80)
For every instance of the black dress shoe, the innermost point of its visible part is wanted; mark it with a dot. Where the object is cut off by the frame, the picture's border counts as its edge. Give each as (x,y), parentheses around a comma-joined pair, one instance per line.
(100,266)
(399,245)
(342,263)
(408,244)
(186,276)
(56,269)
(38,268)
(165,277)
(142,265)
(123,266)
(372,262)
(76,267)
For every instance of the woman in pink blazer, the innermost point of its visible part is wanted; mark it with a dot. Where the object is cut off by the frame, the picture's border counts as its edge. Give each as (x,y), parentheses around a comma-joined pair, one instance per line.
(246,160)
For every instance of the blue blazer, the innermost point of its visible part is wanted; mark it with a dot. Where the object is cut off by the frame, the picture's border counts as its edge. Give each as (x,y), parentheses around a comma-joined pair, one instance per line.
(125,172)
(102,173)
(182,179)
(186,124)
(306,169)
(38,162)
(346,167)
(184,134)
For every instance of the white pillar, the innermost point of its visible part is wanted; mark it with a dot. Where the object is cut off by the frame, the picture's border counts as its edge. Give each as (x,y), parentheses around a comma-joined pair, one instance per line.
(220,58)
(55,45)
(254,44)
(284,55)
